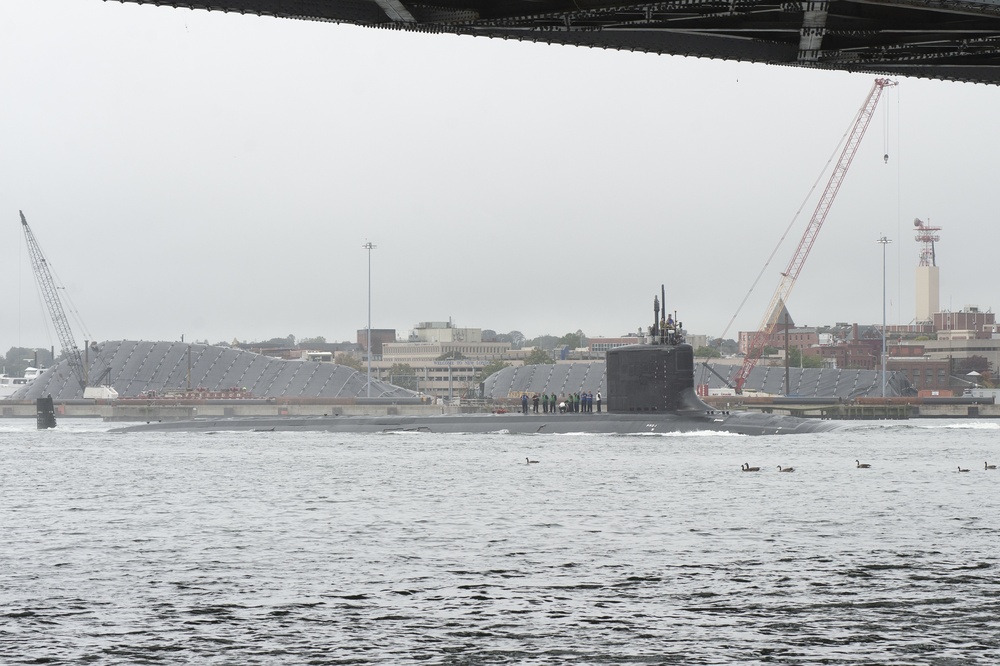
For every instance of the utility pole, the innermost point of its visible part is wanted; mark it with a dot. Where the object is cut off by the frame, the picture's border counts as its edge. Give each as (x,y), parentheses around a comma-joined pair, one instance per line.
(368,350)
(884,241)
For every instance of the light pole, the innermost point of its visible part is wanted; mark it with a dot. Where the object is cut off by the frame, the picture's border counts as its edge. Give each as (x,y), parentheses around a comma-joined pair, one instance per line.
(884,241)
(368,349)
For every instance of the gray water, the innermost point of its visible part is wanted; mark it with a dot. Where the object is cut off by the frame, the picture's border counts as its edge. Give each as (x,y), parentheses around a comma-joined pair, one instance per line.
(281,548)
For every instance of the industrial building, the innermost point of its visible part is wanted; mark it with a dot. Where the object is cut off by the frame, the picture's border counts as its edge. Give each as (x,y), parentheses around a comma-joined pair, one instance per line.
(138,369)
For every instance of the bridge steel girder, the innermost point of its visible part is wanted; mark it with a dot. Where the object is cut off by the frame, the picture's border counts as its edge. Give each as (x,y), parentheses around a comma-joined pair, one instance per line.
(938,39)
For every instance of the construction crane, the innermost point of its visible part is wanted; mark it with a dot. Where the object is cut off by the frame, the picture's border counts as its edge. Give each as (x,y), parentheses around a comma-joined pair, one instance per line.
(791,273)
(48,288)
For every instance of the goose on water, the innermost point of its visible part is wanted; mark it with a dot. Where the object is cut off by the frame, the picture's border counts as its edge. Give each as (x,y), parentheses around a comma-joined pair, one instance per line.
(989,466)
(785,469)
(530,461)
(747,468)
(962,470)
(862,465)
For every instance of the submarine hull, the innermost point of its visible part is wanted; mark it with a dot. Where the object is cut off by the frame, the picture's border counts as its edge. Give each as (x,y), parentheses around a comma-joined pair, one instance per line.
(650,390)
(743,423)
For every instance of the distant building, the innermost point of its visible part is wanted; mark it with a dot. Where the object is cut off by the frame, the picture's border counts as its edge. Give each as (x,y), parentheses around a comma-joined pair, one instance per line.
(861,349)
(697,341)
(796,338)
(951,349)
(970,318)
(380,338)
(782,322)
(434,375)
(922,371)
(601,345)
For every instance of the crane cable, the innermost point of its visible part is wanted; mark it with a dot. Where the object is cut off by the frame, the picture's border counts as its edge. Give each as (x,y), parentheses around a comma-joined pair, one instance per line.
(885,133)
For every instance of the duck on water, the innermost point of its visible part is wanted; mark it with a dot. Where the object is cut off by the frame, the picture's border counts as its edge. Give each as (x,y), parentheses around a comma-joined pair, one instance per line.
(650,389)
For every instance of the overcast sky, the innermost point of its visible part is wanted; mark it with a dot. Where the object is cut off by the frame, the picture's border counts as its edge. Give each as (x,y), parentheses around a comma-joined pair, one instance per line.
(216,175)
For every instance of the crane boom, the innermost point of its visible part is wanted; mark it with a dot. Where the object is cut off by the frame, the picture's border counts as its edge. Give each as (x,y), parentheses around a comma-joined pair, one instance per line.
(48,288)
(791,273)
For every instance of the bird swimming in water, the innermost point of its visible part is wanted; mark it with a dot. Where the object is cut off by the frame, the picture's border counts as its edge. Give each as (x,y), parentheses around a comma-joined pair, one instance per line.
(862,465)
(529,461)
(989,466)
(962,470)
(747,468)
(785,469)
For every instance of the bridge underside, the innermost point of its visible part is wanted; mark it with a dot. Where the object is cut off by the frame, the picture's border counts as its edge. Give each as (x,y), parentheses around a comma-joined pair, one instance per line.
(941,39)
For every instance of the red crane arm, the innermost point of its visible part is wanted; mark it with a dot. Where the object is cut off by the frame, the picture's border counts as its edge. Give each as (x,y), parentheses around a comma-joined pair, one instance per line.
(791,273)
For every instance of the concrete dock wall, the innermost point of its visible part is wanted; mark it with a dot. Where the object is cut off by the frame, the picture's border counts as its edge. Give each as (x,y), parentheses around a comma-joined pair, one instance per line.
(157,411)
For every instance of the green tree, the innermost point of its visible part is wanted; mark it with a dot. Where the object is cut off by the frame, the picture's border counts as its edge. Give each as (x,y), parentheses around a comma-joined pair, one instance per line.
(573,340)
(318,340)
(19,358)
(515,338)
(728,346)
(964,366)
(546,342)
(707,352)
(403,375)
(769,351)
(797,360)
(538,357)
(348,360)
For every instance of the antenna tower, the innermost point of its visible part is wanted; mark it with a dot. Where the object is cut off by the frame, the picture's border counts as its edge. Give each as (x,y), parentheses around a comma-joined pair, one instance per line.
(927,236)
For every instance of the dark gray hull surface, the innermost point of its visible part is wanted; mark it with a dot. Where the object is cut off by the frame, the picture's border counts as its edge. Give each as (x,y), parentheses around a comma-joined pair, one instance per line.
(743,423)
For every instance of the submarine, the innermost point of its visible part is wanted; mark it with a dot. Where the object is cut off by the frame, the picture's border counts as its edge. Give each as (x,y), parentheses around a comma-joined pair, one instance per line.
(650,390)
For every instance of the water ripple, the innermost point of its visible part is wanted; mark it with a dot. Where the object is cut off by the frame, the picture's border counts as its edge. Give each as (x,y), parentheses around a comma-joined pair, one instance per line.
(339,549)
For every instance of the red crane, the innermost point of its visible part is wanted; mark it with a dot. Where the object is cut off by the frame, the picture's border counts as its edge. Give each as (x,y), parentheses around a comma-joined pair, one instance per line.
(791,273)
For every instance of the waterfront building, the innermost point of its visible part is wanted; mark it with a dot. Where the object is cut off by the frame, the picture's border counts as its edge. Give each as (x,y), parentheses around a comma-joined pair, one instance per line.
(446,361)
(380,338)
(970,318)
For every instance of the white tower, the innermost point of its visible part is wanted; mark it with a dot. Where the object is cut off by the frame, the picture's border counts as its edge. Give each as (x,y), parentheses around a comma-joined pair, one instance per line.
(928,280)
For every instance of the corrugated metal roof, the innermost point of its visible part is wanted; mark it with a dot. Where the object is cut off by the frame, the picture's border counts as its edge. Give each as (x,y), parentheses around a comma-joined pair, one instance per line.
(138,367)
(590,377)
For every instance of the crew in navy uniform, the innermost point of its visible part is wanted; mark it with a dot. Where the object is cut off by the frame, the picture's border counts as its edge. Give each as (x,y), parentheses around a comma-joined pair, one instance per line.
(524,403)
